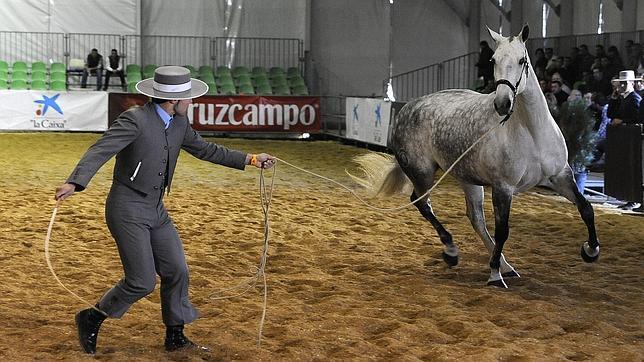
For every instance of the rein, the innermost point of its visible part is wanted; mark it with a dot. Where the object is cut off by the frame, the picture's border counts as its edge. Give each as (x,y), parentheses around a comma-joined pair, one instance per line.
(513,87)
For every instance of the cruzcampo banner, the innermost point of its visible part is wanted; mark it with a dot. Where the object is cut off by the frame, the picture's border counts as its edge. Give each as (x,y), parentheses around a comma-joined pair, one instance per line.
(240,113)
(367,120)
(31,110)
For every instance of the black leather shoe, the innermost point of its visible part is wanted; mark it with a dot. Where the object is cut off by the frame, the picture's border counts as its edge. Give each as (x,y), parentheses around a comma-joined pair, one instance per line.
(175,340)
(88,322)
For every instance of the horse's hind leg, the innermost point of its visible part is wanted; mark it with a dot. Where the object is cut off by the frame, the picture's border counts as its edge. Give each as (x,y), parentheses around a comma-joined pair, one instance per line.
(474,201)
(421,185)
(564,184)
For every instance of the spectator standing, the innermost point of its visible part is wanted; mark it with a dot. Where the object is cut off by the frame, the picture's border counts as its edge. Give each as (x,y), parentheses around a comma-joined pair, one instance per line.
(540,61)
(567,72)
(586,59)
(93,66)
(484,65)
(624,104)
(114,67)
(624,108)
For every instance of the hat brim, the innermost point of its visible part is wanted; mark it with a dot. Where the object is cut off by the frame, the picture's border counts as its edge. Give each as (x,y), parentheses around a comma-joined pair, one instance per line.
(617,80)
(197,89)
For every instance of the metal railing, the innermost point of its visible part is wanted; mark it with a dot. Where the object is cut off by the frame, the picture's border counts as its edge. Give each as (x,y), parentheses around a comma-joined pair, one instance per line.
(458,72)
(166,50)
(32,46)
(258,52)
(153,49)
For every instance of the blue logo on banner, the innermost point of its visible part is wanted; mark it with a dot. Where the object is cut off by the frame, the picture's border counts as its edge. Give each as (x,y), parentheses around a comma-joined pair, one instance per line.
(378,116)
(49,102)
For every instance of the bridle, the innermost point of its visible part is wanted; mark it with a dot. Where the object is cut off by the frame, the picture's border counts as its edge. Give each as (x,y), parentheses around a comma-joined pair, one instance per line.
(514,87)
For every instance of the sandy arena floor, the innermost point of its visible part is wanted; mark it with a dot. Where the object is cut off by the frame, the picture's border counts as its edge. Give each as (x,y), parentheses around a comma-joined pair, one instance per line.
(344,283)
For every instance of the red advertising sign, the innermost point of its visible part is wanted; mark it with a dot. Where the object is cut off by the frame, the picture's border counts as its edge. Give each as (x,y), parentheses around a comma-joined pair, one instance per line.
(239,113)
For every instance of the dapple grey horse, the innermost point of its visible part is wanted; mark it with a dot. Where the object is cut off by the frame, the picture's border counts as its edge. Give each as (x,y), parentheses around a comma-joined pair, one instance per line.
(526,151)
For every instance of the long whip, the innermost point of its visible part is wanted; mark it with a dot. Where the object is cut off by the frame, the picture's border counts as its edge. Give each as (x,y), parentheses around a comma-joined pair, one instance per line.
(48,259)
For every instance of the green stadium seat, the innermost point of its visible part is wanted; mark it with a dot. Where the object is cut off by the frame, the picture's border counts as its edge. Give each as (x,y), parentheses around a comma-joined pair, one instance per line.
(148,70)
(131,88)
(19,84)
(240,70)
(133,77)
(292,72)
(222,70)
(205,69)
(227,89)
(3,84)
(225,79)
(58,76)
(246,89)
(276,71)
(132,68)
(38,85)
(282,90)
(38,67)
(264,89)
(38,75)
(4,65)
(295,81)
(19,75)
(300,90)
(212,89)
(244,79)
(19,66)
(57,67)
(58,85)
(261,79)
(3,74)
(207,77)
(279,82)
(257,71)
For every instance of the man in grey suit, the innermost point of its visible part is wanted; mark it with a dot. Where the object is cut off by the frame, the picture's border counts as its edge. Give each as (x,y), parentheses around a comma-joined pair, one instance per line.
(146,141)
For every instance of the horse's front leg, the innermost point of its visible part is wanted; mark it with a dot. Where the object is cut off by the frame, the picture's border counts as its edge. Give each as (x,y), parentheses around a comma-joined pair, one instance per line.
(502,202)
(476,214)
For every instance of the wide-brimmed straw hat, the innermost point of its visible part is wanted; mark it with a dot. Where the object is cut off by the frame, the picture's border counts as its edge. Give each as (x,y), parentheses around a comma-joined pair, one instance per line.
(625,76)
(172,83)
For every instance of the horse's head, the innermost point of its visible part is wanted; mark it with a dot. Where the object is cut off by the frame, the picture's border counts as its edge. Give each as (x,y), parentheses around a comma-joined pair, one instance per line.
(510,69)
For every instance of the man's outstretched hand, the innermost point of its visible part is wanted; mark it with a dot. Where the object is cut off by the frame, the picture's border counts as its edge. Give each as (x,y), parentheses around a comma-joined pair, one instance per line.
(262,160)
(64,191)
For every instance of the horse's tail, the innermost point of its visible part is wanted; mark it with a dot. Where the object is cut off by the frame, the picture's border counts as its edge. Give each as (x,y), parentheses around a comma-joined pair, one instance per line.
(383,175)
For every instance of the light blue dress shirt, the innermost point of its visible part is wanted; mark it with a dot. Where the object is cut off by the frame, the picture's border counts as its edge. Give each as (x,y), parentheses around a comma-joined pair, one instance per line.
(164,115)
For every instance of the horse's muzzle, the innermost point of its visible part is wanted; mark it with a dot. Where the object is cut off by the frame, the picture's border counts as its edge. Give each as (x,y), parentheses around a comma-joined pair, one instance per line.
(503,107)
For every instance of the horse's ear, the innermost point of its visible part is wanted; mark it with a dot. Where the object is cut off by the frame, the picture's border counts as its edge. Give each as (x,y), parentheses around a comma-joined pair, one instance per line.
(496,36)
(525,32)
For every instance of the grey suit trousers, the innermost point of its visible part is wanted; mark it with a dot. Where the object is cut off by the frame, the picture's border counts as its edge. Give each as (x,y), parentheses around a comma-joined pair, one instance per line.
(148,245)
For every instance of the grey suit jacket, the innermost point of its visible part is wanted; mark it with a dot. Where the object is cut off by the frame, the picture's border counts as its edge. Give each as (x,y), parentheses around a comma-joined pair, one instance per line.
(145,151)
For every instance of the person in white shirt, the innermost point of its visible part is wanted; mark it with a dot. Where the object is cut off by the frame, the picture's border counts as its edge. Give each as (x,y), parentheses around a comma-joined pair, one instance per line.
(114,67)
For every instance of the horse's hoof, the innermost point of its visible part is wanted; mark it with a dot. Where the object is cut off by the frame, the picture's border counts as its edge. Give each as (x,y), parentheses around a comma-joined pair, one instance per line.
(450,260)
(588,258)
(511,274)
(497,283)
